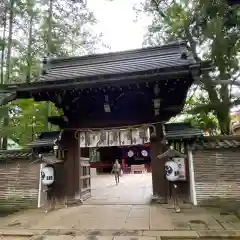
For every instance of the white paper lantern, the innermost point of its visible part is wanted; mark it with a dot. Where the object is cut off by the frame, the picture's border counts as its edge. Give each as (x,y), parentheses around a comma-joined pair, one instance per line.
(144,153)
(47,175)
(130,153)
(172,171)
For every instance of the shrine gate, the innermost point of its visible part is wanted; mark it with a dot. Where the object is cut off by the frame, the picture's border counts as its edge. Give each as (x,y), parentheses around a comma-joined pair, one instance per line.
(137,89)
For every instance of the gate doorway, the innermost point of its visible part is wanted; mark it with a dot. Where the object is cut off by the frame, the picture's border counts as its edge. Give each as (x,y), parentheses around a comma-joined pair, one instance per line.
(135,185)
(132,189)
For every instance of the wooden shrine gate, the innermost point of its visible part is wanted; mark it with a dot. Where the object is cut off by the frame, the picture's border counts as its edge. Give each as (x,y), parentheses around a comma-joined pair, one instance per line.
(145,80)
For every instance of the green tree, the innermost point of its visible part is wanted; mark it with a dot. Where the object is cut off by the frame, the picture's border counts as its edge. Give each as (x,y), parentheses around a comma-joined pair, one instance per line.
(32,37)
(27,120)
(205,120)
(7,79)
(212,31)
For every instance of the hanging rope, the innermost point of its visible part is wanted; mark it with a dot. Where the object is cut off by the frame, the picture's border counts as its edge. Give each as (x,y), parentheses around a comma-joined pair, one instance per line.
(117,129)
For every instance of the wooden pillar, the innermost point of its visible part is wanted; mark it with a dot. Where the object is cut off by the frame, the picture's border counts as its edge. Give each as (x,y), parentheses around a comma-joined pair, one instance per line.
(71,165)
(65,188)
(159,182)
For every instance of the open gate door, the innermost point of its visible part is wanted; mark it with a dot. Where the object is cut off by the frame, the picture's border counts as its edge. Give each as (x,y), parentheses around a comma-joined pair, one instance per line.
(42,190)
(85,179)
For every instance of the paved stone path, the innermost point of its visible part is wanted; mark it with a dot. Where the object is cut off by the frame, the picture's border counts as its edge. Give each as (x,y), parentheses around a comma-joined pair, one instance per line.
(121,212)
(120,220)
(132,189)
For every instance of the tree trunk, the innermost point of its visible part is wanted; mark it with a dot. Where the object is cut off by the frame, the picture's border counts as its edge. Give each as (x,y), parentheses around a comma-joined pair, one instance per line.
(49,53)
(3,22)
(30,39)
(9,48)
(222,113)
(3,44)
(224,119)
(8,69)
(222,108)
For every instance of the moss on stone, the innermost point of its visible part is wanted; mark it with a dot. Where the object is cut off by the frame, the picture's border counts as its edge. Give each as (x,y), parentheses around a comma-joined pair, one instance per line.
(13,205)
(225,204)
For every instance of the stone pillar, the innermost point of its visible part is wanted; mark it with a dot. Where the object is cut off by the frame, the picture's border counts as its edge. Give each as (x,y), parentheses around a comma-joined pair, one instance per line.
(159,182)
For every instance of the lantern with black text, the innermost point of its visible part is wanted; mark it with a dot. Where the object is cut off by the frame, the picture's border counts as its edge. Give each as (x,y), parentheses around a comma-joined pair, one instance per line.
(47,176)
(182,167)
(172,171)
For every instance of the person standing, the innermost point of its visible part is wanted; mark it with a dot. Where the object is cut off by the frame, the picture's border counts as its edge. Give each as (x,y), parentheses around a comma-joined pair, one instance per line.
(116,170)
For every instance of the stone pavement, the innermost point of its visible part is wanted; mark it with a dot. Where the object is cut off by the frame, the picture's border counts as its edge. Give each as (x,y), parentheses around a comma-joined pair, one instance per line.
(122,217)
(127,220)
(121,212)
(132,189)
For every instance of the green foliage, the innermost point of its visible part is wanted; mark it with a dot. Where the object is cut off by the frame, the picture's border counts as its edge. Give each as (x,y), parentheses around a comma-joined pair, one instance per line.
(199,115)
(15,204)
(212,30)
(32,29)
(28,121)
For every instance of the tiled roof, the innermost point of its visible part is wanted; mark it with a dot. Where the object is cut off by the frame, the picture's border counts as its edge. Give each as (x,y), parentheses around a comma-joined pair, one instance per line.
(182,131)
(48,158)
(15,154)
(134,61)
(46,139)
(6,96)
(171,153)
(217,142)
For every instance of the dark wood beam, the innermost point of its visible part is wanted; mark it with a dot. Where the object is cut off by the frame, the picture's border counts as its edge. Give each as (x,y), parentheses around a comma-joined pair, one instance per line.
(114,122)
(102,81)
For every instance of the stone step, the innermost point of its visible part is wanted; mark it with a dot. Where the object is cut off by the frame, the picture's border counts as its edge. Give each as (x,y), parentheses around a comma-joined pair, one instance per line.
(115,235)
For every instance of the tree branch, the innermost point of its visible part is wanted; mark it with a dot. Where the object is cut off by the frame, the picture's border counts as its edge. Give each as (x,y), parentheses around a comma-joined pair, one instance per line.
(222,82)
(157,9)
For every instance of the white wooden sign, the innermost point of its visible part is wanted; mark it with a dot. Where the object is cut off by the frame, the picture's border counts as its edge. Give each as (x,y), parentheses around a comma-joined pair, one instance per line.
(82,139)
(125,137)
(92,139)
(114,137)
(103,139)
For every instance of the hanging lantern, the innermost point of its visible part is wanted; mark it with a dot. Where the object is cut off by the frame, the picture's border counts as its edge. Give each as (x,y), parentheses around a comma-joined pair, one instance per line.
(130,153)
(144,153)
(172,171)
(47,176)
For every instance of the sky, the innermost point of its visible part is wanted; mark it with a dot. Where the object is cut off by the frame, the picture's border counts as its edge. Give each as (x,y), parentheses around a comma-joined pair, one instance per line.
(116,21)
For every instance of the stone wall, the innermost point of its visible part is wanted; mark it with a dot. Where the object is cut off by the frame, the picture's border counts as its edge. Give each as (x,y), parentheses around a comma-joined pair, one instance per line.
(217,175)
(19,180)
